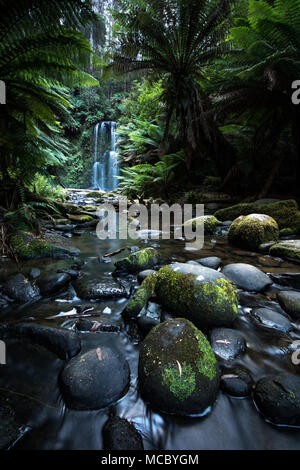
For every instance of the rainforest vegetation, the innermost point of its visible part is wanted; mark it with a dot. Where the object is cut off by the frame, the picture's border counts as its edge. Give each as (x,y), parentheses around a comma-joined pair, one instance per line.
(201,89)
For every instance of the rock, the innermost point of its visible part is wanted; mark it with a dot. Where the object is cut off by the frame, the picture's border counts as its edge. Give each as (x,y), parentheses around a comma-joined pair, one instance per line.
(286,213)
(267,318)
(9,429)
(65,228)
(236,381)
(262,202)
(62,342)
(252,230)
(34,273)
(95,379)
(288,249)
(287,279)
(53,283)
(197,293)
(81,218)
(227,343)
(141,297)
(289,301)
(264,248)
(212,262)
(278,399)
(28,247)
(270,262)
(138,261)
(20,289)
(3,303)
(177,369)
(119,434)
(247,277)
(89,289)
(103,324)
(149,317)
(209,222)
(143,274)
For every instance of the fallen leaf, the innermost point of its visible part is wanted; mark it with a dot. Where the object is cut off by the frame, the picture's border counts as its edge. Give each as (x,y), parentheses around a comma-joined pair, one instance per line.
(179,367)
(95,327)
(223,341)
(229,376)
(99,354)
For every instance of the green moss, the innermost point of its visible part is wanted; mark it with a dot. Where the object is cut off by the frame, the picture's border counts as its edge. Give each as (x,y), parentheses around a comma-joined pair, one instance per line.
(80,218)
(250,232)
(286,213)
(210,223)
(205,303)
(27,247)
(287,249)
(141,296)
(181,383)
(138,261)
(95,194)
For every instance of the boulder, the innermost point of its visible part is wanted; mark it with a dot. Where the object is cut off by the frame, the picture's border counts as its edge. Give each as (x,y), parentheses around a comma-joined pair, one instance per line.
(197,293)
(20,289)
(236,381)
(287,279)
(53,283)
(290,302)
(278,399)
(288,249)
(252,230)
(177,369)
(119,434)
(209,222)
(227,343)
(247,277)
(95,379)
(89,289)
(212,262)
(26,246)
(267,318)
(61,341)
(138,261)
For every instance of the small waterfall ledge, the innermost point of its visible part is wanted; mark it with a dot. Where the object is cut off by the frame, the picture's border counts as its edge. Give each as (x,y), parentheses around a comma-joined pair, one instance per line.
(106,167)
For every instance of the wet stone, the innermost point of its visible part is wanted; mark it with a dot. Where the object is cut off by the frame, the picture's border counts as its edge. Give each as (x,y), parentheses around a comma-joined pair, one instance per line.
(247,277)
(290,303)
(227,343)
(20,289)
(119,434)
(267,318)
(236,381)
(212,262)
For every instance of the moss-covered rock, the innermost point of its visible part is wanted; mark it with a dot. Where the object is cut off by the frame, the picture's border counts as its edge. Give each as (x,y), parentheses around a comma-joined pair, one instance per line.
(138,261)
(141,296)
(252,230)
(80,218)
(209,222)
(26,246)
(286,213)
(177,369)
(289,249)
(206,303)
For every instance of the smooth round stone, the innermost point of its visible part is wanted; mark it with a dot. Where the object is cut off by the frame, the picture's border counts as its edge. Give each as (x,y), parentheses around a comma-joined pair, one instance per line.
(278,399)
(34,273)
(20,289)
(287,279)
(267,318)
(290,302)
(247,277)
(53,283)
(212,262)
(227,343)
(143,274)
(236,381)
(202,273)
(95,379)
(119,434)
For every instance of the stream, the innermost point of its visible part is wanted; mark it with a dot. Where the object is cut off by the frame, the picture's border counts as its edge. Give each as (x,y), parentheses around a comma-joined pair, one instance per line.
(29,381)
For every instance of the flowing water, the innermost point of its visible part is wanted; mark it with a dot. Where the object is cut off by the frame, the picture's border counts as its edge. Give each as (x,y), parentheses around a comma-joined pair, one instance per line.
(29,381)
(106,167)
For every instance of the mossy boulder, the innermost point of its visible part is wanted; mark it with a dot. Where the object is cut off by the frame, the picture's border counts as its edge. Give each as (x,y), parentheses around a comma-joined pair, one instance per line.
(27,246)
(80,218)
(177,369)
(141,296)
(138,261)
(289,249)
(286,213)
(209,222)
(202,295)
(252,230)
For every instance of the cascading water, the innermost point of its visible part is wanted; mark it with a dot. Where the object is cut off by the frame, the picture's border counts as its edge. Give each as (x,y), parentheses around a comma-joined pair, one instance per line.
(106,166)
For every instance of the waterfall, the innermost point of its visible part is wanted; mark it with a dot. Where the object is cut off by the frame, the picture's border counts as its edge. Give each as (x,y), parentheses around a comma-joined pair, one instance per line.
(106,166)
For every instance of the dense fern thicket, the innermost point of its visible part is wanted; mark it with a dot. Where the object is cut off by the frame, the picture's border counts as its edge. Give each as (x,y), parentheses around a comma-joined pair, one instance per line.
(201,90)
